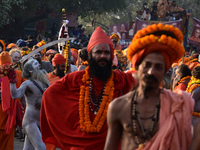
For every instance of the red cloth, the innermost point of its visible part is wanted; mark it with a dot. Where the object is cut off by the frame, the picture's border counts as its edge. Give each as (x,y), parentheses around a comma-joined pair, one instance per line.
(100,37)
(8,104)
(181,86)
(60,118)
(74,54)
(58,59)
(192,65)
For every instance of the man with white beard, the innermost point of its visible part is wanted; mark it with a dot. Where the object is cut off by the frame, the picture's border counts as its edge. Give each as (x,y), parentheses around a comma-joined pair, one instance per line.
(33,89)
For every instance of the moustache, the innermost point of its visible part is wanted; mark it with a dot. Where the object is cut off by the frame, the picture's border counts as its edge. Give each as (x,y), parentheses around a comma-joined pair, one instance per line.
(103,59)
(150,77)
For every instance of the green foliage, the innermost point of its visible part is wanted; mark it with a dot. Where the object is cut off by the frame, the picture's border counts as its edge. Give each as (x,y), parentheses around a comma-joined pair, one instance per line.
(13,9)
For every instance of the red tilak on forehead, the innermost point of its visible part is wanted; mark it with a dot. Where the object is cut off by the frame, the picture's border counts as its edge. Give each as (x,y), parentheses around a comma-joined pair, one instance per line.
(103,48)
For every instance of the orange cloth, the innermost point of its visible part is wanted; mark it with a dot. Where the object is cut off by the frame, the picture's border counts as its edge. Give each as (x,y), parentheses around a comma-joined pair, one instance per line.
(11,45)
(174,122)
(99,37)
(7,141)
(168,54)
(58,59)
(53,78)
(60,122)
(5,58)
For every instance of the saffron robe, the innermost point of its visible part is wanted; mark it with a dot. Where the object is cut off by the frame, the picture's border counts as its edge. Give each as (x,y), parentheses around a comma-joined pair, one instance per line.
(174,122)
(53,78)
(60,112)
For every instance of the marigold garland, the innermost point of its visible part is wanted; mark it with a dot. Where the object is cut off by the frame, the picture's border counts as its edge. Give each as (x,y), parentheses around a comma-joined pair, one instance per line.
(145,37)
(184,78)
(194,60)
(41,43)
(84,63)
(196,114)
(86,124)
(25,52)
(65,50)
(193,84)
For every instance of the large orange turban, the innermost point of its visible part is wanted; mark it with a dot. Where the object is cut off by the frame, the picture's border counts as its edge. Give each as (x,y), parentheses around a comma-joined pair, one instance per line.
(58,59)
(165,39)
(5,58)
(100,37)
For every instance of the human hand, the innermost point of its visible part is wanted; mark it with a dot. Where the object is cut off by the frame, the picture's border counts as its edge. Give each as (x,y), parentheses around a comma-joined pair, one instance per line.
(12,76)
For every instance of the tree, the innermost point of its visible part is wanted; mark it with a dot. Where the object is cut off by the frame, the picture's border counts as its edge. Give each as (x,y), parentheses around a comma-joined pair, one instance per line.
(18,13)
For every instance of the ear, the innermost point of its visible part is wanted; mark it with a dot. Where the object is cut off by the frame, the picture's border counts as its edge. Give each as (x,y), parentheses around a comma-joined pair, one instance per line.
(89,55)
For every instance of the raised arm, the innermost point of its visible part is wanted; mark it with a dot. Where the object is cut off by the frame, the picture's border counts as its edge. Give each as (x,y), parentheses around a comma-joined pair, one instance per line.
(18,93)
(114,128)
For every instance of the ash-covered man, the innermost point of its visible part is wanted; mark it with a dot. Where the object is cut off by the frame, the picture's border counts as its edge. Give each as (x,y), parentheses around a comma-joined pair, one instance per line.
(148,117)
(33,89)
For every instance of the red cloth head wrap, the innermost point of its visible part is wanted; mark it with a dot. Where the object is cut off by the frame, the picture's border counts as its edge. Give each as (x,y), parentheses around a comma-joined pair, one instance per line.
(100,37)
(58,59)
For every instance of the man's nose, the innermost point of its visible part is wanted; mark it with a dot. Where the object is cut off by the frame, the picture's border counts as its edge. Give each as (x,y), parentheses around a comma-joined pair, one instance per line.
(151,71)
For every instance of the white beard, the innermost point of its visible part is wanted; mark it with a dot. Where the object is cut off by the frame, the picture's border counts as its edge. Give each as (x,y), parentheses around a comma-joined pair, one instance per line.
(41,75)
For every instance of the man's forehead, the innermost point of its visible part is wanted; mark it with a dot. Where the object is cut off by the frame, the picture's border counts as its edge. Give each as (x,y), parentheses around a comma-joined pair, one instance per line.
(101,47)
(154,58)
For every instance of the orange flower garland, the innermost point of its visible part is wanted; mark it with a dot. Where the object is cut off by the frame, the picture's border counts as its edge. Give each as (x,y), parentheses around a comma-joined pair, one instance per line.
(184,78)
(86,124)
(65,50)
(193,84)
(196,114)
(85,63)
(41,43)
(25,52)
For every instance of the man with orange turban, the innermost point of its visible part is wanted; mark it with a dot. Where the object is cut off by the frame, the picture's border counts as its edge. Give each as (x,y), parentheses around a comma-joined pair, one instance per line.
(148,117)
(8,106)
(82,99)
(58,63)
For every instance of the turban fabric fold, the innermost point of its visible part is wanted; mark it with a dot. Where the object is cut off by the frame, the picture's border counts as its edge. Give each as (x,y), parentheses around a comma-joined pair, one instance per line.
(58,59)
(100,37)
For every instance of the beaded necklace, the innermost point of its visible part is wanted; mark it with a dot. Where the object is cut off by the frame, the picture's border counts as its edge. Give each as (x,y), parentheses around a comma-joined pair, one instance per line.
(135,117)
(95,100)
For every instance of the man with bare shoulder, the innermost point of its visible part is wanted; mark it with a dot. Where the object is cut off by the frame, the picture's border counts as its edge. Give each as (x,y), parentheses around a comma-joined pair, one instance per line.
(149,117)
(33,89)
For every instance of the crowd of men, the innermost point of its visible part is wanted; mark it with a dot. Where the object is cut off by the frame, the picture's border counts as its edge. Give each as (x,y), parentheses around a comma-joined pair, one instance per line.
(144,97)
